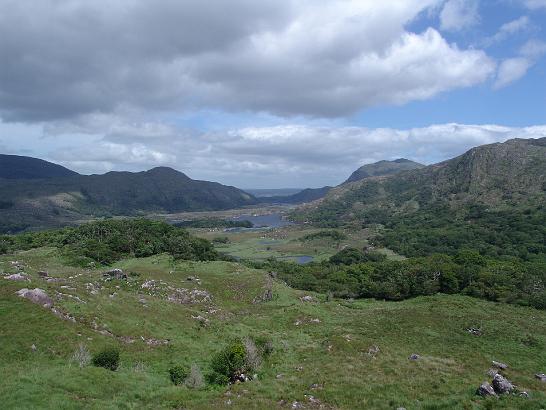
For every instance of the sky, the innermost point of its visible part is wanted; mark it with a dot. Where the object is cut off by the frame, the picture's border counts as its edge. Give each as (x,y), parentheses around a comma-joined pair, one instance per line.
(269,93)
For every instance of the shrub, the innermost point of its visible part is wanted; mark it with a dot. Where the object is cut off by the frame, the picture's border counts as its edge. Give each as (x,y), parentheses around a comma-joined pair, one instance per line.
(195,378)
(81,356)
(178,374)
(228,364)
(107,358)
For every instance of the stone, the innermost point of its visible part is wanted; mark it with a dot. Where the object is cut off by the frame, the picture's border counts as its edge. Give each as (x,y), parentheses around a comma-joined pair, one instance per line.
(33,347)
(499,365)
(306,298)
(524,394)
(501,385)
(474,331)
(541,377)
(492,372)
(114,274)
(18,277)
(485,390)
(43,274)
(38,296)
(414,356)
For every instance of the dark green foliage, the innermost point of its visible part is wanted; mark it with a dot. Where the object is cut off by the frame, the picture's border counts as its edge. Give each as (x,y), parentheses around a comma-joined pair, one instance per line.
(228,364)
(510,280)
(221,240)
(214,223)
(109,240)
(333,235)
(178,374)
(350,256)
(107,358)
(19,167)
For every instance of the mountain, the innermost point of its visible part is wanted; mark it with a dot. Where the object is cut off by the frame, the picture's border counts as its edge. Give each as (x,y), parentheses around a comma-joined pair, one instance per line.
(492,198)
(57,201)
(365,171)
(303,196)
(383,168)
(19,167)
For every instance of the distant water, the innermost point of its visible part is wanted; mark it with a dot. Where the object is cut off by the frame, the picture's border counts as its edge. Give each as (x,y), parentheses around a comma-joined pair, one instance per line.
(264,221)
(301,260)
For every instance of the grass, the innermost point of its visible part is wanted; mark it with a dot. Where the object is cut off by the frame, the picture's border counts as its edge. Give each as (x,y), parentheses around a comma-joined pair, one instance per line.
(327,359)
(286,243)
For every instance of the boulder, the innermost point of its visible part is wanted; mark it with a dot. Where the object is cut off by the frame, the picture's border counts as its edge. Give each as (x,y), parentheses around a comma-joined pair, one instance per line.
(485,390)
(306,298)
(114,274)
(541,377)
(17,277)
(43,274)
(37,296)
(502,385)
(414,356)
(499,365)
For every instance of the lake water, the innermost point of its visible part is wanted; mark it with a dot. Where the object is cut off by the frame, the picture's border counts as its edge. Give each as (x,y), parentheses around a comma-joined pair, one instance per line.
(264,221)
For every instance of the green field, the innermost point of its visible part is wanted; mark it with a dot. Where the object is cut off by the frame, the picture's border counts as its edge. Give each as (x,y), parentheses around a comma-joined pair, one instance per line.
(323,350)
(286,243)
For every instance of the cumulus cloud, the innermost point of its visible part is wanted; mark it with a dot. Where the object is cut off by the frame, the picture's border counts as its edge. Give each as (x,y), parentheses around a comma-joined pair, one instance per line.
(66,59)
(512,69)
(457,15)
(280,156)
(535,4)
(508,29)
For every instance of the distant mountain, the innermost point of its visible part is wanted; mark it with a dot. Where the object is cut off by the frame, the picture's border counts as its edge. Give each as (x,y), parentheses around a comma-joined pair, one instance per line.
(383,168)
(305,195)
(54,201)
(273,192)
(366,171)
(513,172)
(19,167)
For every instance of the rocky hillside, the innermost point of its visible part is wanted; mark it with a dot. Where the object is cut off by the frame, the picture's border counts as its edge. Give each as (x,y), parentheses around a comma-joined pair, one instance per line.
(56,201)
(383,168)
(19,167)
(510,173)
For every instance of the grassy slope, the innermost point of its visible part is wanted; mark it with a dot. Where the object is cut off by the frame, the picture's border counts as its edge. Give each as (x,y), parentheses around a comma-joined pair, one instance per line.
(332,353)
(284,242)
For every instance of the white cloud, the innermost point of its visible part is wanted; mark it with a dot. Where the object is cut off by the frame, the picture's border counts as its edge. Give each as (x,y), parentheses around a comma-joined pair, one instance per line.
(280,156)
(512,69)
(508,29)
(535,4)
(284,57)
(457,15)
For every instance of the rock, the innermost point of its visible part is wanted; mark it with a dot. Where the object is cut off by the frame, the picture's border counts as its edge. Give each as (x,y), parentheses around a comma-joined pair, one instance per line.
(33,347)
(306,298)
(18,277)
(492,372)
(43,274)
(502,385)
(114,274)
(414,356)
(474,331)
(37,296)
(373,351)
(297,405)
(499,365)
(279,376)
(524,394)
(486,390)
(541,377)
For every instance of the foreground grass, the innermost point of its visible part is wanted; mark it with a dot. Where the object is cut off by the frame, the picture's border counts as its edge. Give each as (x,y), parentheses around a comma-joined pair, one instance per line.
(328,359)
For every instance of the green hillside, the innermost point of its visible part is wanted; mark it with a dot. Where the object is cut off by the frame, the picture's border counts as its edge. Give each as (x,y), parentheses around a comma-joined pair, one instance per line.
(331,354)
(57,201)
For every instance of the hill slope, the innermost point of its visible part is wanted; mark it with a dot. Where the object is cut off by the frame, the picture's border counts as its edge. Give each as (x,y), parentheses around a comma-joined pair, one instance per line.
(56,201)
(382,168)
(366,171)
(19,167)
(492,197)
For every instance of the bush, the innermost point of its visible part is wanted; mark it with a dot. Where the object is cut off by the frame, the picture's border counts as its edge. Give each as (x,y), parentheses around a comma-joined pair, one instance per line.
(228,364)
(81,356)
(195,378)
(107,358)
(178,374)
